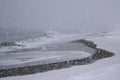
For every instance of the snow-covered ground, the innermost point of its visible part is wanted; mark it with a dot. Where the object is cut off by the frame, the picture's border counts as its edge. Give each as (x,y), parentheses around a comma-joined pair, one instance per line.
(39,57)
(105,69)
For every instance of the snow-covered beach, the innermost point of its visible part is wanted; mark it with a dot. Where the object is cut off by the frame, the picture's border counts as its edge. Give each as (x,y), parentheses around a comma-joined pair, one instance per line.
(59,40)
(101,69)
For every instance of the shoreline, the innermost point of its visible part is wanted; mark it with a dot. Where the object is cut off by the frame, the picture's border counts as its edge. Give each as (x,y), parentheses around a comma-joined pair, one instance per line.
(100,54)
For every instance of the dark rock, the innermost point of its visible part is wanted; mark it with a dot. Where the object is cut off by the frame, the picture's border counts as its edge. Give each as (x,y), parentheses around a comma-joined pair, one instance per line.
(8,44)
(100,54)
(87,43)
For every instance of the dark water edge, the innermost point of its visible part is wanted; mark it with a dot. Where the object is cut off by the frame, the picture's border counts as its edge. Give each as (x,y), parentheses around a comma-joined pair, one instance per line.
(100,54)
(13,36)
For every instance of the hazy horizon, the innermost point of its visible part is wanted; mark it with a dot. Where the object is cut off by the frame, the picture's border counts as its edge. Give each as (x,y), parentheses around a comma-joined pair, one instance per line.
(61,15)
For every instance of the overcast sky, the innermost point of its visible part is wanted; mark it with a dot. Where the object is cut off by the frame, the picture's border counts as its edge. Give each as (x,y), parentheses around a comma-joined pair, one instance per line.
(63,15)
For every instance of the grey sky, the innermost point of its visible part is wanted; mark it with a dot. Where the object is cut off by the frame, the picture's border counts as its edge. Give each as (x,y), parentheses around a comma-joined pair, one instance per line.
(64,15)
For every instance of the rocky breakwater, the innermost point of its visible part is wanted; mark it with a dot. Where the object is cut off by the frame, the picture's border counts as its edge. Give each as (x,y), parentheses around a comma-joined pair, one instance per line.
(99,54)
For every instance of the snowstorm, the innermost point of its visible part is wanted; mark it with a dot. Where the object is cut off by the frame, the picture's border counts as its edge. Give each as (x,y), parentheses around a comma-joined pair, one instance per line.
(59,39)
(63,15)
